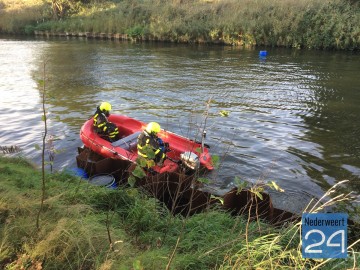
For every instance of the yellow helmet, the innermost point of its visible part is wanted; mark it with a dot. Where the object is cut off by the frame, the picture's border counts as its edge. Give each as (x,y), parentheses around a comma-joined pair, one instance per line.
(153,127)
(105,107)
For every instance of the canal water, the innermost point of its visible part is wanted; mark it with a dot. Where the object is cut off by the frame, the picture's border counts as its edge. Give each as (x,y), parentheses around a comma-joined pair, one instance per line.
(293,115)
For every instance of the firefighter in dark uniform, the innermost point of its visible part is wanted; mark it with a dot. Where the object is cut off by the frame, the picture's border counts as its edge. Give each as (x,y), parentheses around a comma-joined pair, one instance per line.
(107,130)
(148,139)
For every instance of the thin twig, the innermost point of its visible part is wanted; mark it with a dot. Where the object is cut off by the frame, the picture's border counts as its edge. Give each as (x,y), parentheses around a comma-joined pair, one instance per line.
(43,149)
(108,231)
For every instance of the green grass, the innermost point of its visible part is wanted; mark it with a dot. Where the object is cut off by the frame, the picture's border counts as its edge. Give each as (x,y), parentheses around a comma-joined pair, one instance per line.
(78,219)
(310,24)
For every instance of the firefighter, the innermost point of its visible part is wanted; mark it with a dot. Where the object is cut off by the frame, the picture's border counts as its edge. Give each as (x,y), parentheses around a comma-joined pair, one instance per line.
(107,130)
(148,140)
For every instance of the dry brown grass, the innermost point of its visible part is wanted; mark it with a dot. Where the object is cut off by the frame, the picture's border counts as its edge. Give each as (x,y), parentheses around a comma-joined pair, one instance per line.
(15,14)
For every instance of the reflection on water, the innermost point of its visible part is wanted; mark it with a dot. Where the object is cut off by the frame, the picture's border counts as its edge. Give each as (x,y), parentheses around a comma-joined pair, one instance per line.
(293,115)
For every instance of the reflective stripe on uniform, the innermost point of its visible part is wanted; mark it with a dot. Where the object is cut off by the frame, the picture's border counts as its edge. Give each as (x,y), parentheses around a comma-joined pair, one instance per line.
(114,133)
(95,119)
(141,148)
(141,154)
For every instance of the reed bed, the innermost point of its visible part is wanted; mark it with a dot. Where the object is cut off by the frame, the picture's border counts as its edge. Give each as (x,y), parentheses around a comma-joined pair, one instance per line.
(311,24)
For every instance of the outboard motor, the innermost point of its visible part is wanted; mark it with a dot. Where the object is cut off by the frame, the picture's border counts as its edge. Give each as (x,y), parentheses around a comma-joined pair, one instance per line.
(190,160)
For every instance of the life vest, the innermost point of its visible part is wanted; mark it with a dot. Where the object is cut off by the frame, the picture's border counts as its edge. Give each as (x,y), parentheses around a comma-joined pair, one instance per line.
(145,139)
(100,120)
(104,127)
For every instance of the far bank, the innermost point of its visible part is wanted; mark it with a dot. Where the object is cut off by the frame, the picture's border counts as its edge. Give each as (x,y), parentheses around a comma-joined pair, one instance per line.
(307,24)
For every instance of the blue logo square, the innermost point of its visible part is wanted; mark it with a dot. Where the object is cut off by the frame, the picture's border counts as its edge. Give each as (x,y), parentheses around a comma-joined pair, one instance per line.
(324,235)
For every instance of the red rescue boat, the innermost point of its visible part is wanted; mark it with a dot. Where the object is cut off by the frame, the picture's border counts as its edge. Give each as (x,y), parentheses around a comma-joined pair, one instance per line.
(191,153)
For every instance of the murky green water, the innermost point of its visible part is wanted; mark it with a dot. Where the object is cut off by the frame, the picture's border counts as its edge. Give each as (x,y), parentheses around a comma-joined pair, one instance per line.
(294,115)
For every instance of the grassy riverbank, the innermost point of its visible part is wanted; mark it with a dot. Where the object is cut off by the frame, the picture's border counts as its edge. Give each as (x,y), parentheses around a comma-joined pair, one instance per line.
(88,227)
(313,24)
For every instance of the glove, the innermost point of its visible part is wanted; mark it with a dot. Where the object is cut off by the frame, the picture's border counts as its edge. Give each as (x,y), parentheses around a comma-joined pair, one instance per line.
(167,147)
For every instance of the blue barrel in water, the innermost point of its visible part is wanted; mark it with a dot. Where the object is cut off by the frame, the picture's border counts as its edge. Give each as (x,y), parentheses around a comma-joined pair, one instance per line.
(263,53)
(104,180)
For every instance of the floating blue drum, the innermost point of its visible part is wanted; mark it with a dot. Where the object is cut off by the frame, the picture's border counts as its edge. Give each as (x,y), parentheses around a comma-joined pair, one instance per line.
(103,180)
(263,53)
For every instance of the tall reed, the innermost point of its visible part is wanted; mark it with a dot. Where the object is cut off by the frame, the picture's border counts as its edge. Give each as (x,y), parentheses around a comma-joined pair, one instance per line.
(312,24)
